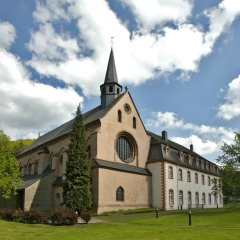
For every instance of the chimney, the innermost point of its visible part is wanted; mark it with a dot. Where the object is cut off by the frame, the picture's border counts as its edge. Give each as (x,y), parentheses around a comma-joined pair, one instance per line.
(191,147)
(164,135)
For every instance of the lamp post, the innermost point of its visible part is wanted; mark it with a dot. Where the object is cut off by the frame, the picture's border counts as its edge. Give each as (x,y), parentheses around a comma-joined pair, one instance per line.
(189,217)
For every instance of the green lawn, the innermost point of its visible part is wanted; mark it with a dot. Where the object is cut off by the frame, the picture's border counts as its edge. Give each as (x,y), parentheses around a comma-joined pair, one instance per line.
(206,224)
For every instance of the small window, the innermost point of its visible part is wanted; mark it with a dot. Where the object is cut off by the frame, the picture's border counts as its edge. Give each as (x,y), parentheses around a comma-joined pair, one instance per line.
(181,197)
(58,196)
(61,159)
(134,123)
(188,176)
(180,175)
(209,199)
(170,172)
(36,168)
(203,198)
(203,180)
(119,116)
(89,151)
(29,168)
(189,199)
(197,198)
(110,89)
(127,108)
(118,90)
(103,91)
(120,194)
(209,181)
(171,198)
(196,178)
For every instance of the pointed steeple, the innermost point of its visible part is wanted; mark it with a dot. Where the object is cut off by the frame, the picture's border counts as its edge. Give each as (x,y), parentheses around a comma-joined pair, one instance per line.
(110,89)
(111,73)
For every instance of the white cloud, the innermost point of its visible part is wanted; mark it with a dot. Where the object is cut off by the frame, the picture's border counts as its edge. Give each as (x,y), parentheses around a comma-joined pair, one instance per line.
(27,107)
(157,12)
(231,107)
(141,55)
(7,35)
(206,139)
(201,147)
(221,17)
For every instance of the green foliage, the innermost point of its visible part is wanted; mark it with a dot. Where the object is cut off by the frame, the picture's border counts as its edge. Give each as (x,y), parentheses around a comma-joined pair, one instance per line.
(213,224)
(77,186)
(61,218)
(229,171)
(230,176)
(9,171)
(85,216)
(216,186)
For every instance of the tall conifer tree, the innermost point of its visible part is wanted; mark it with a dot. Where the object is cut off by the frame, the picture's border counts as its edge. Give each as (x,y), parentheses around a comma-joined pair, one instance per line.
(77,185)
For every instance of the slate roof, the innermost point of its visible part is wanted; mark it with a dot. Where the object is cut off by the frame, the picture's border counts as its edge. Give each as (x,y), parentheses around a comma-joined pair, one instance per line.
(30,179)
(122,167)
(88,117)
(111,73)
(157,152)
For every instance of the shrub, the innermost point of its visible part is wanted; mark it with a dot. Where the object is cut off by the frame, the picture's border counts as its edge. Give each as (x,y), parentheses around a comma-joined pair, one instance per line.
(85,216)
(63,218)
(32,217)
(7,214)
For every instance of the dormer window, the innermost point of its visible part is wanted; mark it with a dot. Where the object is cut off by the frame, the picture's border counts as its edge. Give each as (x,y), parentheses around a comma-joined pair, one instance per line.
(190,160)
(167,149)
(181,156)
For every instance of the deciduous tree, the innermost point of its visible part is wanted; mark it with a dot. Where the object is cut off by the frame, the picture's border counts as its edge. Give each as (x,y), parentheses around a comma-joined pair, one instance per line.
(9,170)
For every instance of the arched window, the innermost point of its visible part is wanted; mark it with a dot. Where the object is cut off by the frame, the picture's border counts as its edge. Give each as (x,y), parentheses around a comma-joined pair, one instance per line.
(189,199)
(119,116)
(196,178)
(61,159)
(180,175)
(120,194)
(197,198)
(203,198)
(171,198)
(89,151)
(36,167)
(170,172)
(134,123)
(29,168)
(180,197)
(209,181)
(188,176)
(215,200)
(209,199)
(203,180)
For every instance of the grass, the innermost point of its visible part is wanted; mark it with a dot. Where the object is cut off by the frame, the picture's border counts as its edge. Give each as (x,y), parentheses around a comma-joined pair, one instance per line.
(206,224)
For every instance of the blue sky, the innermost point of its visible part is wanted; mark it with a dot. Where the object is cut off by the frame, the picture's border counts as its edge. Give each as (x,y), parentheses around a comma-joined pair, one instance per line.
(179,59)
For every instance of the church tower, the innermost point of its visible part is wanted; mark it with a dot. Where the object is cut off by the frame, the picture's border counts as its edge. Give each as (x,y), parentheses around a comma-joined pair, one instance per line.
(110,89)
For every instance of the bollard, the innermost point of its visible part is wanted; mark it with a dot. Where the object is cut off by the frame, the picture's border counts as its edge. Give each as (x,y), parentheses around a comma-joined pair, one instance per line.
(157,213)
(190,218)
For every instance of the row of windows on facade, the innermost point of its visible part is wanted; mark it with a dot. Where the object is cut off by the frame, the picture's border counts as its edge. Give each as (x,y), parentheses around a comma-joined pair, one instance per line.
(191,160)
(180,176)
(134,121)
(189,198)
(119,194)
(32,168)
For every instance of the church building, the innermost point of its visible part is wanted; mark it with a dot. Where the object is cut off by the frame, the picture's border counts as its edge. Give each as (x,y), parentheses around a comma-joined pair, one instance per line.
(131,167)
